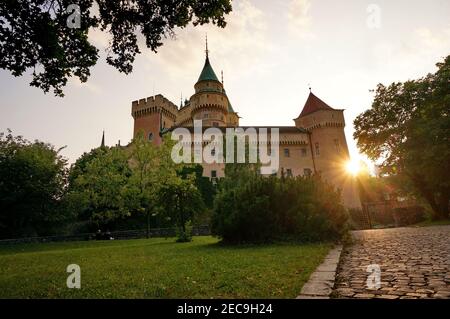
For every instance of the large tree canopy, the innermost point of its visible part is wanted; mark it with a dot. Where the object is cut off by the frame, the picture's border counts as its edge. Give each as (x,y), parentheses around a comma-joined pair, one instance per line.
(44,35)
(32,182)
(408,131)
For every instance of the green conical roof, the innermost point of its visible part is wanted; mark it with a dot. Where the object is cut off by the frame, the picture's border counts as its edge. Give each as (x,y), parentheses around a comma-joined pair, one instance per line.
(230,108)
(207,73)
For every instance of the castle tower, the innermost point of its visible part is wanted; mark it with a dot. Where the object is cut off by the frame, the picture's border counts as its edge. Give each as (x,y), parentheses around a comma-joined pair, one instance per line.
(328,145)
(210,103)
(153,114)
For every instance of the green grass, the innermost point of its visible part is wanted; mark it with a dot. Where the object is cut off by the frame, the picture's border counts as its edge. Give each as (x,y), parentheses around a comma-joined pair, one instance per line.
(427,223)
(158,268)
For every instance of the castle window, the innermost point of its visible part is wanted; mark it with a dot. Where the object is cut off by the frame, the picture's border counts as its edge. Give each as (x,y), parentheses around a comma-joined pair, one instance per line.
(317,146)
(289,172)
(304,152)
(307,172)
(337,145)
(286,152)
(206,115)
(213,174)
(213,152)
(150,136)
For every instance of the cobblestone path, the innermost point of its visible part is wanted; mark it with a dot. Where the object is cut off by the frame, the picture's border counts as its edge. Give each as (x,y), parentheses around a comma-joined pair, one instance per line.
(414,263)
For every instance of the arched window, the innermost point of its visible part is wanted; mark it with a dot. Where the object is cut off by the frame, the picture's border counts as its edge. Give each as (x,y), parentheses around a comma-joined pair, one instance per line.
(150,136)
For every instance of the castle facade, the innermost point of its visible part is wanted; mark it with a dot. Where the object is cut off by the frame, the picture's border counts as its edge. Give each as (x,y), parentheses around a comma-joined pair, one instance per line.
(315,144)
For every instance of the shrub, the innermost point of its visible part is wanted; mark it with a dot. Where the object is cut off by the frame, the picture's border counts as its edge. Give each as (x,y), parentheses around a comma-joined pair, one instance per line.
(408,215)
(250,208)
(184,235)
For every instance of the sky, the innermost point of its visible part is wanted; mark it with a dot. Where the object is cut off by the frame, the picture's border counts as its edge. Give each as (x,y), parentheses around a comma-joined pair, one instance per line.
(270,53)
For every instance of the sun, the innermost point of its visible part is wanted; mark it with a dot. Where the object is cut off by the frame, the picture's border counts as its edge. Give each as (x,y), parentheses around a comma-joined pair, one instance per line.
(353,167)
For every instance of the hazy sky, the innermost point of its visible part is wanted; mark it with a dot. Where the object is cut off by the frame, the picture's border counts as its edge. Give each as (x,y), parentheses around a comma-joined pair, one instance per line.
(269,52)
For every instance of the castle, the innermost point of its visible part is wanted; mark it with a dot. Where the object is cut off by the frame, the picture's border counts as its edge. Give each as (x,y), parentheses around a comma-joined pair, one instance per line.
(315,144)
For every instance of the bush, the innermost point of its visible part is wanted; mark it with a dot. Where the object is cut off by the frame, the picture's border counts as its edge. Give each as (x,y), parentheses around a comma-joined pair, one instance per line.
(184,235)
(408,215)
(251,208)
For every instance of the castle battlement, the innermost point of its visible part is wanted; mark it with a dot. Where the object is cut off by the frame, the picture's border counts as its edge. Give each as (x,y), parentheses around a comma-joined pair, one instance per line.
(153,104)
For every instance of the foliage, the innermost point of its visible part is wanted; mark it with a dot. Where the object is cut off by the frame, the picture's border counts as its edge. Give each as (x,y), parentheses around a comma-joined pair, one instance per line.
(407,130)
(253,208)
(203,183)
(112,184)
(36,35)
(80,165)
(180,200)
(32,182)
(146,177)
(157,188)
(100,193)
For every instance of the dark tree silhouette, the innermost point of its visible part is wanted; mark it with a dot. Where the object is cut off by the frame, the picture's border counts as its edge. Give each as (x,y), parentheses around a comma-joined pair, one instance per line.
(51,36)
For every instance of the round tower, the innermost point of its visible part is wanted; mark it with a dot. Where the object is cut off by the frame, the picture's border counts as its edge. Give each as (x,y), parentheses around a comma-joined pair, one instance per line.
(209,103)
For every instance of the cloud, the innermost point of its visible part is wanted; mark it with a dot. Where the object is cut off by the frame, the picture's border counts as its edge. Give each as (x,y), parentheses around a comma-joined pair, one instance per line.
(239,46)
(432,41)
(422,48)
(299,18)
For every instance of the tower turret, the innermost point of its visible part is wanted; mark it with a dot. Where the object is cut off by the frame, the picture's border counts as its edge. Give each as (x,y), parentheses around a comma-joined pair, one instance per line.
(328,145)
(209,103)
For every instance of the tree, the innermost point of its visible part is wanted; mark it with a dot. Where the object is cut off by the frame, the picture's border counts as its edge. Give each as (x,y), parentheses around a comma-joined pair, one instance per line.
(160,186)
(32,182)
(80,166)
(51,37)
(181,200)
(146,177)
(100,191)
(203,183)
(408,131)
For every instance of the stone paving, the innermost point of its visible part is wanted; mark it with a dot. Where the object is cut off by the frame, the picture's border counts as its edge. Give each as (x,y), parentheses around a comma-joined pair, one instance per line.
(414,263)
(321,282)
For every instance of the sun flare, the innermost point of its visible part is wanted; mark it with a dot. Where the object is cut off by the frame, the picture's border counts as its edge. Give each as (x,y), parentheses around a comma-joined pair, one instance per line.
(353,167)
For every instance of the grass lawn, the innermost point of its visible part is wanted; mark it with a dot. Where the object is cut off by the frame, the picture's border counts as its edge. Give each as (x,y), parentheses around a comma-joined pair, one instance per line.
(158,268)
(427,223)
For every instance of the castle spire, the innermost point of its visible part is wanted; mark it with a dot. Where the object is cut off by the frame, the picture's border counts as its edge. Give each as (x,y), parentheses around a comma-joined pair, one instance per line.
(206,37)
(103,139)
(207,73)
